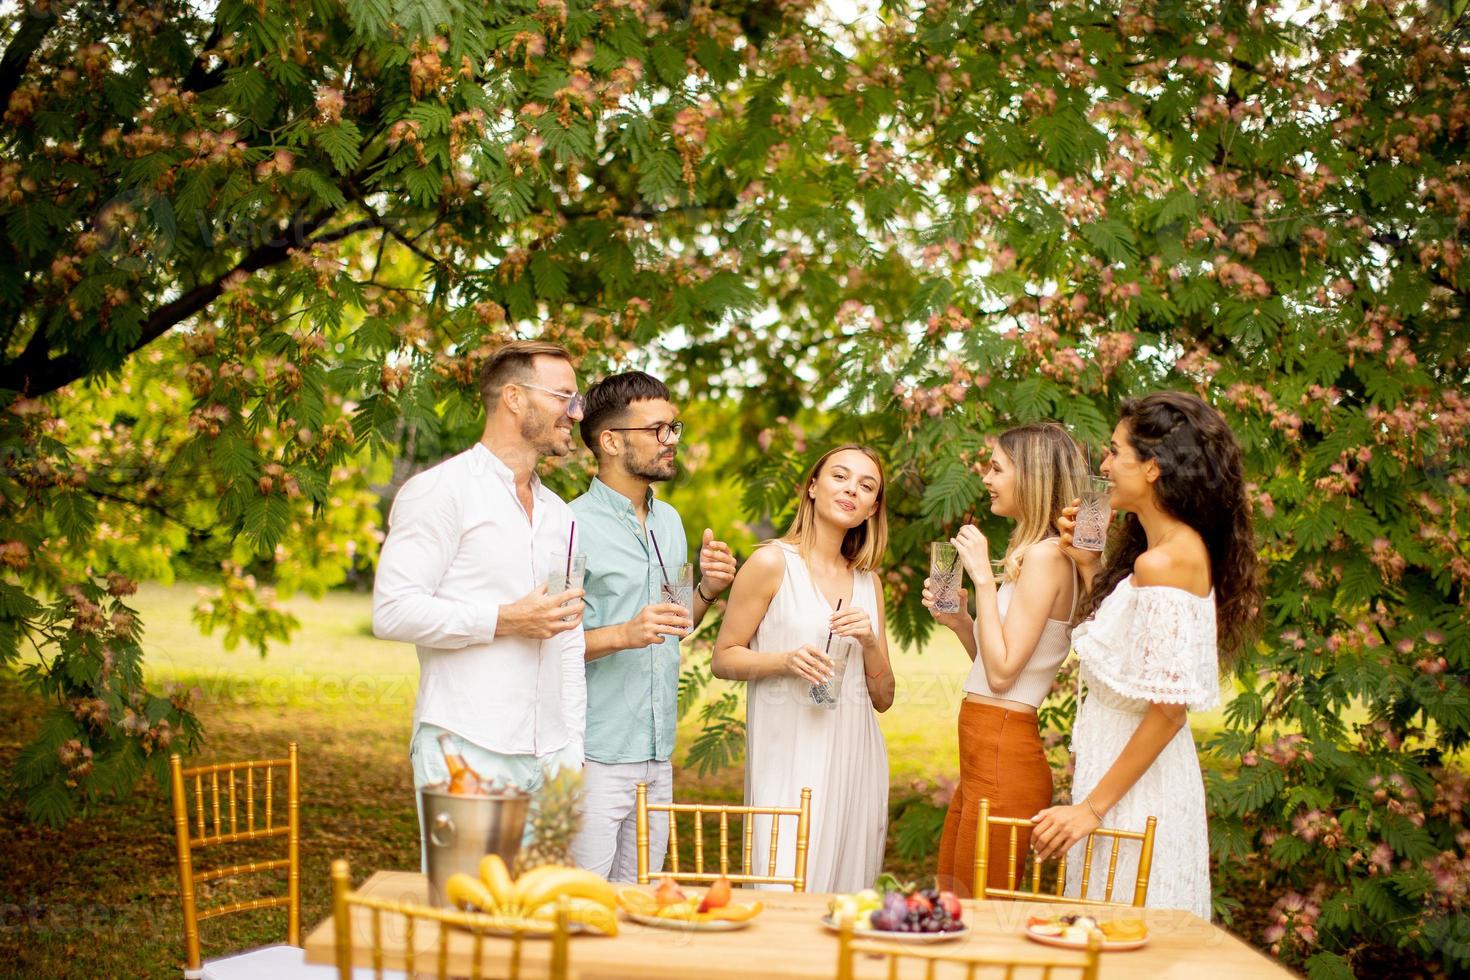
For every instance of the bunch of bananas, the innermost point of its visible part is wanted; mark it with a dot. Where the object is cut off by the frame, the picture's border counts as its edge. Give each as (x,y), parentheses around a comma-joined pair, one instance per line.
(531,901)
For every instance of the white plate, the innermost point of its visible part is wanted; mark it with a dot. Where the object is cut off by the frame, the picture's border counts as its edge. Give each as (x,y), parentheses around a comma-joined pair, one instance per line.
(917,938)
(1107,946)
(688,925)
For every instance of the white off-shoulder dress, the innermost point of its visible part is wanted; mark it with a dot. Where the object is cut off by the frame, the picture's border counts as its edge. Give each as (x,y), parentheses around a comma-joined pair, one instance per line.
(1147,644)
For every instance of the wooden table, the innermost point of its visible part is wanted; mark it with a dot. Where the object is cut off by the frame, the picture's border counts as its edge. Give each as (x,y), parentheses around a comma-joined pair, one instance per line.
(787,940)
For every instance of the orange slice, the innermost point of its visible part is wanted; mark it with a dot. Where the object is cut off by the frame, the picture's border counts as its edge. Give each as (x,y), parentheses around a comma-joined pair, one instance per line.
(738,912)
(636,901)
(1124,930)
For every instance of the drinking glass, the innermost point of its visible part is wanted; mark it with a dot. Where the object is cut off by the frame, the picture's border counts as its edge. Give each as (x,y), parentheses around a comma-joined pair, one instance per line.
(945,573)
(673,583)
(1091,532)
(839,648)
(564,572)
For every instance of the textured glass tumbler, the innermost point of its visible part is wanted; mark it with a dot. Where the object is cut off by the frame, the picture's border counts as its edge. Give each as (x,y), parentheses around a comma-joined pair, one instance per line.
(1091,532)
(945,573)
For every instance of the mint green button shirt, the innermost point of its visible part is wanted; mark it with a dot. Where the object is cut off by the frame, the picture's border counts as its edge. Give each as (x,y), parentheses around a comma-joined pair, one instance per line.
(632,695)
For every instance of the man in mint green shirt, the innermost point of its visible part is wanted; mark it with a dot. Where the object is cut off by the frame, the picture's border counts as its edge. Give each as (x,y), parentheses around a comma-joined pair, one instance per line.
(632,634)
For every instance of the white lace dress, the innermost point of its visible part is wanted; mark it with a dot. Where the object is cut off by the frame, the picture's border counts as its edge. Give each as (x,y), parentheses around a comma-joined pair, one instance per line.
(1147,644)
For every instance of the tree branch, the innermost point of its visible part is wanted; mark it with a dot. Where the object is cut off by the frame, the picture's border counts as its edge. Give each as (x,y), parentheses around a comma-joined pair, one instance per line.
(200,78)
(35,374)
(346,231)
(379,221)
(195,533)
(18,55)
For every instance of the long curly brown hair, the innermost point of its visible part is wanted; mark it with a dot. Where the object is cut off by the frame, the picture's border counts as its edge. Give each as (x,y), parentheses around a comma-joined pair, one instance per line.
(1202,483)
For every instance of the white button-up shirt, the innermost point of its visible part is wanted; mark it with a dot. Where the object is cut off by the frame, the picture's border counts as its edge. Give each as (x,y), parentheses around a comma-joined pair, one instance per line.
(459,546)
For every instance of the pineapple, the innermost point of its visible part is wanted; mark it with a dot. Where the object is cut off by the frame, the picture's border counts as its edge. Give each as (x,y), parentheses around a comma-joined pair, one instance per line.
(555,818)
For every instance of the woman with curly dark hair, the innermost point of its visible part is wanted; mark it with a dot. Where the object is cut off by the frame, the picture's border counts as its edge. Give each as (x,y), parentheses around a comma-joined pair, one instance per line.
(1176,597)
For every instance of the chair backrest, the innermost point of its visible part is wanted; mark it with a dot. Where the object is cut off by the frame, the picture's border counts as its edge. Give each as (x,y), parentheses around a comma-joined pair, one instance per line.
(1083,965)
(746,876)
(427,932)
(983,858)
(250,786)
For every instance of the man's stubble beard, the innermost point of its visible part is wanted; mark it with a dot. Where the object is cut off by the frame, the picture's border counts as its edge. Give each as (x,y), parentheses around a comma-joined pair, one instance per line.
(544,437)
(655,470)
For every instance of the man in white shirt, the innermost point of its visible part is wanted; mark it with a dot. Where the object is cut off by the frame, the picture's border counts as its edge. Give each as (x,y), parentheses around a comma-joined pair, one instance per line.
(462,575)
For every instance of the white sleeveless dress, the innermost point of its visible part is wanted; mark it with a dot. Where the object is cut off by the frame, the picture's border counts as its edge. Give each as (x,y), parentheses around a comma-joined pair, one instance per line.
(1147,644)
(792,743)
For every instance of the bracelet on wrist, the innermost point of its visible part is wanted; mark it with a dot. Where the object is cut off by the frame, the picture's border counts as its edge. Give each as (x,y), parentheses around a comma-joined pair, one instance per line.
(1088,801)
(700,589)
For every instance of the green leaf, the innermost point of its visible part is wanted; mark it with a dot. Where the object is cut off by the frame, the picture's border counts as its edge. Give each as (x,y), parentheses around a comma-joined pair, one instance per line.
(1113,238)
(1177,207)
(424,184)
(51,805)
(660,176)
(76,515)
(342,143)
(1325,965)
(551,278)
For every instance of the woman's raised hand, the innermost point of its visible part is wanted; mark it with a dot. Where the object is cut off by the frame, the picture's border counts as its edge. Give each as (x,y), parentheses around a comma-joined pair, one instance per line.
(809,664)
(1066,527)
(974,552)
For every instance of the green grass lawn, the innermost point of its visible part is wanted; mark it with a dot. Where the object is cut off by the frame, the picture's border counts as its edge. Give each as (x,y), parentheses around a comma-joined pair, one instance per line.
(98,898)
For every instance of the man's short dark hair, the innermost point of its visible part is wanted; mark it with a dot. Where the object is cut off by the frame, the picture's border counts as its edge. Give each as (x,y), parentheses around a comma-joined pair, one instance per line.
(606,403)
(514,362)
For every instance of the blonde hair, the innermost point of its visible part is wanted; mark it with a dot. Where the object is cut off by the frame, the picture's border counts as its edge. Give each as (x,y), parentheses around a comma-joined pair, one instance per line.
(863,546)
(1051,472)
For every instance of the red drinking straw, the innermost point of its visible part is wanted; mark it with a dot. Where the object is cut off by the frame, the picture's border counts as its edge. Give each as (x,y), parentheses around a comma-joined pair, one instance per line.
(828,647)
(659,554)
(571,536)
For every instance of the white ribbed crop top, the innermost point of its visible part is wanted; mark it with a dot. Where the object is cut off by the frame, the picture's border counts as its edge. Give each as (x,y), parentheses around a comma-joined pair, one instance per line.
(1052,647)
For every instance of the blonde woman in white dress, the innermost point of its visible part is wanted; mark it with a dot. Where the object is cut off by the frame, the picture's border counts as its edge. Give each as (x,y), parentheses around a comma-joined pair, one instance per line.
(1178,590)
(820,578)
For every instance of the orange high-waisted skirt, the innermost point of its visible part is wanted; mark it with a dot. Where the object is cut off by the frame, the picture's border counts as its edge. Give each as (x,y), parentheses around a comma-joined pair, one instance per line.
(1001,760)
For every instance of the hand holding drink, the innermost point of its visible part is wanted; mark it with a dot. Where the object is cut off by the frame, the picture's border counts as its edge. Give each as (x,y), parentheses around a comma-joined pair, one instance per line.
(959,620)
(1090,532)
(541,614)
(945,572)
(654,622)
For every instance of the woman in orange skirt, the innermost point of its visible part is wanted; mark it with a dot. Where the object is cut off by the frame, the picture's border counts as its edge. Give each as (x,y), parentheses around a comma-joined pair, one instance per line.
(1018,638)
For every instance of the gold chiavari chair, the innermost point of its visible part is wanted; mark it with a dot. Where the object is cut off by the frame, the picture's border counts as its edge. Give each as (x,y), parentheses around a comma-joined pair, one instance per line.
(1083,965)
(797,879)
(249,787)
(1036,894)
(438,927)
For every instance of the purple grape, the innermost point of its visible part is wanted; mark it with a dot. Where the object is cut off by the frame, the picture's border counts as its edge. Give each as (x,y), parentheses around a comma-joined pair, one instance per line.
(894,904)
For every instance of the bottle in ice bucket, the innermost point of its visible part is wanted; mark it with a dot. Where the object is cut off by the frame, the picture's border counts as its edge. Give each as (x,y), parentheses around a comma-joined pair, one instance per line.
(463,780)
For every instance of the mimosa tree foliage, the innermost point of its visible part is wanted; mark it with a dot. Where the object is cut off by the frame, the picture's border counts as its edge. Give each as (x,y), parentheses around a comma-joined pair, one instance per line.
(254,253)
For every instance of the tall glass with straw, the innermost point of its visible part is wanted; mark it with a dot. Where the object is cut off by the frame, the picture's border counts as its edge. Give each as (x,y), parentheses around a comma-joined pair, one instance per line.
(566,571)
(826,694)
(671,583)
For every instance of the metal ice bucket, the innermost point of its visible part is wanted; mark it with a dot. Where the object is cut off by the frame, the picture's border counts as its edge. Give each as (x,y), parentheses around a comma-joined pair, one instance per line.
(463,829)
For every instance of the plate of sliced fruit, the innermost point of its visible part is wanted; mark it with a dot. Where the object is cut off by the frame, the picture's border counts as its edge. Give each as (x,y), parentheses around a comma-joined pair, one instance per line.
(900,913)
(671,907)
(1072,931)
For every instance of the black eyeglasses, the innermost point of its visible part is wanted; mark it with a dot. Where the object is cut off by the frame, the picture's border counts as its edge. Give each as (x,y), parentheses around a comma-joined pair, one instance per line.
(664,432)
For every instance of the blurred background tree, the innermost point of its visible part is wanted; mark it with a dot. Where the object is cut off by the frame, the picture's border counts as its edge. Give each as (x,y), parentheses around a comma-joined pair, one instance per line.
(255,253)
